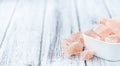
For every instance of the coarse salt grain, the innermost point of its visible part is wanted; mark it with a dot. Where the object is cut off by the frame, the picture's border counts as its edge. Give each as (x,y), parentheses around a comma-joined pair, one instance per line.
(87,54)
(92,34)
(73,44)
(103,21)
(114,24)
(102,30)
(112,39)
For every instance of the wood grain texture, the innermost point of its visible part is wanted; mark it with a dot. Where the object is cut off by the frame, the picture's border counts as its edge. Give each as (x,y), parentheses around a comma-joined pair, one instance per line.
(31,31)
(113,7)
(22,42)
(89,13)
(7,10)
(60,21)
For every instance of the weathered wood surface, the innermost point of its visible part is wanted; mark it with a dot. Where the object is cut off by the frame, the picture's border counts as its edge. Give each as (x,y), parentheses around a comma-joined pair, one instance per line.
(21,46)
(31,30)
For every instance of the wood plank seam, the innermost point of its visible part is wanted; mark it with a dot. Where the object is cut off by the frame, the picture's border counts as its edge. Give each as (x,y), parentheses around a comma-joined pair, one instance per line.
(5,33)
(56,36)
(107,9)
(41,40)
(78,19)
(9,24)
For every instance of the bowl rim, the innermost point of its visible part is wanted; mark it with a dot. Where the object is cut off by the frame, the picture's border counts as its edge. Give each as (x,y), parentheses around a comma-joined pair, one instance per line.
(100,40)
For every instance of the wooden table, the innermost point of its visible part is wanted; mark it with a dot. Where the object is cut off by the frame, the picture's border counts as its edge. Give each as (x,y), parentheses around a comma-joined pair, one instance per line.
(31,30)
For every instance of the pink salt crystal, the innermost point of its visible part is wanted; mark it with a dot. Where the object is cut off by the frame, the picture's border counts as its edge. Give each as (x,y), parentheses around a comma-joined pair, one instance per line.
(112,39)
(74,48)
(102,30)
(92,34)
(114,24)
(65,44)
(73,44)
(87,54)
(76,37)
(103,21)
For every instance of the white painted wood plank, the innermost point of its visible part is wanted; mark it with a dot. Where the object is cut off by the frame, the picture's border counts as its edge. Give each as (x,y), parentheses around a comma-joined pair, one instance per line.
(113,7)
(6,13)
(60,21)
(22,42)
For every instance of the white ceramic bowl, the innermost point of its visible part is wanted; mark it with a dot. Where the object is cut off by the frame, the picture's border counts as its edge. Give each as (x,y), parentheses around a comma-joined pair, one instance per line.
(105,50)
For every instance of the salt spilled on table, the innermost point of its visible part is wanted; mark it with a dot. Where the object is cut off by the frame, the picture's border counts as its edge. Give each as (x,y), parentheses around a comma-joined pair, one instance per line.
(73,44)
(87,55)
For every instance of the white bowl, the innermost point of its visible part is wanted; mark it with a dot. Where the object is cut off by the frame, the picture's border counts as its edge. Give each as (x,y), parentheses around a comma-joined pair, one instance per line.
(105,50)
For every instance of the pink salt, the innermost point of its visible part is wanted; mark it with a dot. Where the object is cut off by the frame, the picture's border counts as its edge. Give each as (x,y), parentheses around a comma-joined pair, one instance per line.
(112,39)
(92,34)
(102,30)
(73,44)
(76,37)
(103,21)
(74,48)
(114,24)
(87,55)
